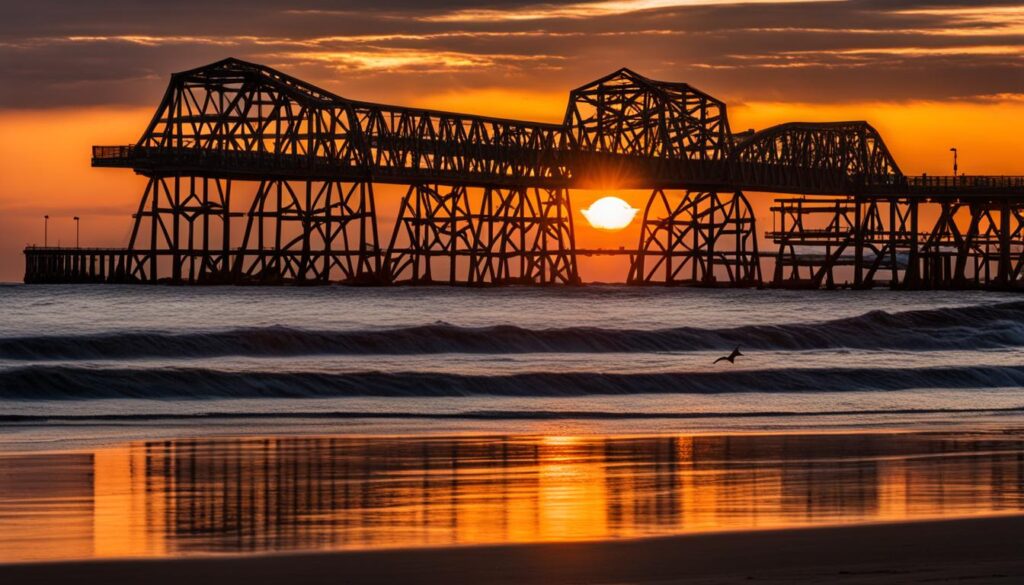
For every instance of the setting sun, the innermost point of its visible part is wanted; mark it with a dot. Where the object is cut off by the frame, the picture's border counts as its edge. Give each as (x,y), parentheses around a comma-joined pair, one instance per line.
(609,213)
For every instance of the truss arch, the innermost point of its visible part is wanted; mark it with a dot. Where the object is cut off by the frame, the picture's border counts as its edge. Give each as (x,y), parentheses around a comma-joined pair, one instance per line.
(836,158)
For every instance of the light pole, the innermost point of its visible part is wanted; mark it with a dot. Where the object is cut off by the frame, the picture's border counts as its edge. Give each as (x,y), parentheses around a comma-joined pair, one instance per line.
(955,168)
(77,232)
(46,231)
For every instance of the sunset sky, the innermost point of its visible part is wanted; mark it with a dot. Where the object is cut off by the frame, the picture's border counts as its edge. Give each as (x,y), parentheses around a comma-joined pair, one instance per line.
(929,74)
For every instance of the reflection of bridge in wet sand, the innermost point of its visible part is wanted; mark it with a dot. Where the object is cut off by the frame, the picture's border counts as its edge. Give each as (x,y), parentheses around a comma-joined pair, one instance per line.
(487,200)
(322,493)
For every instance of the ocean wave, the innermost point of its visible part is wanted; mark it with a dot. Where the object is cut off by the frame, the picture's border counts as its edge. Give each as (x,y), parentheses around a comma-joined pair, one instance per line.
(40,382)
(974,327)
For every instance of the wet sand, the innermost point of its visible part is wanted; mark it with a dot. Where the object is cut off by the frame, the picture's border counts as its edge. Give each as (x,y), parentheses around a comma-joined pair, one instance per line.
(808,508)
(976,551)
(189,497)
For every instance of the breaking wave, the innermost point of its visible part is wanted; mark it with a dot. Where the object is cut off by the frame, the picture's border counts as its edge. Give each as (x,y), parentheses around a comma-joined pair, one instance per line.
(42,382)
(973,327)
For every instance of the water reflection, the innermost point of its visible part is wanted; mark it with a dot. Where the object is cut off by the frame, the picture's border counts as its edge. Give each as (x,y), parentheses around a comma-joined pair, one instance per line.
(241,495)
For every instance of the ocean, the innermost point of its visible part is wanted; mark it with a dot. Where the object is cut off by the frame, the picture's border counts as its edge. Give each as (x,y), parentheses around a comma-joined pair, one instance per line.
(92,360)
(170,421)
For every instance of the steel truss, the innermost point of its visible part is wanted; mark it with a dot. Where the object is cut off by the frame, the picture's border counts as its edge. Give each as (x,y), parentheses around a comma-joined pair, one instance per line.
(310,232)
(460,235)
(244,119)
(184,221)
(625,128)
(816,159)
(989,252)
(706,239)
(488,197)
(868,242)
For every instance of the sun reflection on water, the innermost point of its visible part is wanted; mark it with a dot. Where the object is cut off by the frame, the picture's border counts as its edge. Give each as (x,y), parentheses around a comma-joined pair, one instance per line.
(169,498)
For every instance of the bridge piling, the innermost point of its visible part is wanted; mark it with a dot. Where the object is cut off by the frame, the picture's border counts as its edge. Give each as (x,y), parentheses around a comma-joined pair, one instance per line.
(706,239)
(976,245)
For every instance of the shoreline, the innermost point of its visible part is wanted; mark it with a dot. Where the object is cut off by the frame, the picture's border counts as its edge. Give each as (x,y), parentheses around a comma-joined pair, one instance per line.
(980,549)
(70,436)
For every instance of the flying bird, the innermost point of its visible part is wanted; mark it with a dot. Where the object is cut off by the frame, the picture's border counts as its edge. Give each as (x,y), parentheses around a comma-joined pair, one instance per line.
(731,358)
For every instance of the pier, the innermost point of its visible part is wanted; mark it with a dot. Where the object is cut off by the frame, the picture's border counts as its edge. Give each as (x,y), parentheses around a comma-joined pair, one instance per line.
(487,201)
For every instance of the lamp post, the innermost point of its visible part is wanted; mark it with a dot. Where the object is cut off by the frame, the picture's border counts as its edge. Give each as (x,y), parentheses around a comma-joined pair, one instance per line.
(46,231)
(955,167)
(78,232)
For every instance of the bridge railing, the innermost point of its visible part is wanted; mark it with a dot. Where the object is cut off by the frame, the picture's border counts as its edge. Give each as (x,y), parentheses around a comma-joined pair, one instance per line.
(439,163)
(63,265)
(143,156)
(962,183)
(112,155)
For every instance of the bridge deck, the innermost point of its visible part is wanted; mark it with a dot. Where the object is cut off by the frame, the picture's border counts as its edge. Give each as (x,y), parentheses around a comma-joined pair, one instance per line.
(710,176)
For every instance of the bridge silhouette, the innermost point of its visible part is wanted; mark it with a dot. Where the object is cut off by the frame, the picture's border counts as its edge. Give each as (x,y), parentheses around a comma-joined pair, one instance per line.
(487,200)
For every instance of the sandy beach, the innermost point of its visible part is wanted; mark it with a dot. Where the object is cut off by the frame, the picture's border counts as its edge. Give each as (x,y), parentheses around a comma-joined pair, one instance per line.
(977,551)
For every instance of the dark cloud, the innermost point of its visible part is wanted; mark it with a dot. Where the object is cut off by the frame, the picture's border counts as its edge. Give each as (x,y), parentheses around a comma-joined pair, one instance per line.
(63,53)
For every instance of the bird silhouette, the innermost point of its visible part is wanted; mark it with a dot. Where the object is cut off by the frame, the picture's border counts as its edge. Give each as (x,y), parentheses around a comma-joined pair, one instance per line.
(731,358)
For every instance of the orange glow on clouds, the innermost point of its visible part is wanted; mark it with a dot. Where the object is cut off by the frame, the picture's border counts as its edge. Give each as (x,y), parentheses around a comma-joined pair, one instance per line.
(420,60)
(577,10)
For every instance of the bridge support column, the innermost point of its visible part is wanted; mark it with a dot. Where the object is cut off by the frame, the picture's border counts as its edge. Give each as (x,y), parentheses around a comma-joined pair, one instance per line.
(706,239)
(941,249)
(173,237)
(887,230)
(986,256)
(989,253)
(310,232)
(1013,244)
(812,236)
(834,239)
(483,236)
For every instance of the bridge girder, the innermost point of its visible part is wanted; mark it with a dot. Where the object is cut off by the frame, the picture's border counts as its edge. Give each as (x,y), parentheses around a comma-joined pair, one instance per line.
(247,119)
(625,128)
(838,158)
(320,155)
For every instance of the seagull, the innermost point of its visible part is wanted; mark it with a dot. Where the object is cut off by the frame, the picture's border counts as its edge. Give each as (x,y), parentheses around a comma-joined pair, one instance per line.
(731,358)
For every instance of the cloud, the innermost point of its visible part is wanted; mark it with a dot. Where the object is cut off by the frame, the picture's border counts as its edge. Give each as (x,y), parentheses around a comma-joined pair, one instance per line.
(396,60)
(577,10)
(57,53)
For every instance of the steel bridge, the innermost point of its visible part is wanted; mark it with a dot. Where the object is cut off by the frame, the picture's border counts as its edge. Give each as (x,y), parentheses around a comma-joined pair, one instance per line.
(487,200)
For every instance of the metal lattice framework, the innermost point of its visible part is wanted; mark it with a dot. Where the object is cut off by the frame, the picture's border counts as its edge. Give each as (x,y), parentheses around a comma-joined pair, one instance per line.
(872,236)
(487,199)
(483,236)
(247,119)
(316,156)
(310,231)
(707,238)
(816,159)
(186,219)
(883,241)
(628,129)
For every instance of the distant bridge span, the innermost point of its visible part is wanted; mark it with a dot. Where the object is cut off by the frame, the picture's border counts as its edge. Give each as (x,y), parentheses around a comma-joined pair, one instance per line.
(488,199)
